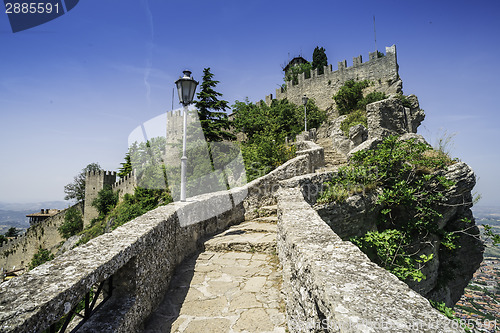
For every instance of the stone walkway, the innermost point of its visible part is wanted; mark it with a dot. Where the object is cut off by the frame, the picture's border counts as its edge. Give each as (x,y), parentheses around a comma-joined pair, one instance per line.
(234,286)
(333,157)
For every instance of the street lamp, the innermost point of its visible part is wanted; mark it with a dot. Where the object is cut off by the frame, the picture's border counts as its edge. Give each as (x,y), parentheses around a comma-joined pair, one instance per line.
(186,87)
(304,101)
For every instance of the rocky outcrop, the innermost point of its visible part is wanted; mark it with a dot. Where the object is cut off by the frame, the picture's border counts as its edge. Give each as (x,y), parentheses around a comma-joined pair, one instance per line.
(384,118)
(450,271)
(390,117)
(329,285)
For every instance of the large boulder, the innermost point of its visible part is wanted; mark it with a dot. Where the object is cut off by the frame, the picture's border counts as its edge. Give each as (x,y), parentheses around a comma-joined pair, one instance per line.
(390,117)
(357,134)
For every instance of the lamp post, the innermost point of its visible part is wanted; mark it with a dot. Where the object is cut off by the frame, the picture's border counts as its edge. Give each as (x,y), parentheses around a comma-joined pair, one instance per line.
(304,101)
(186,86)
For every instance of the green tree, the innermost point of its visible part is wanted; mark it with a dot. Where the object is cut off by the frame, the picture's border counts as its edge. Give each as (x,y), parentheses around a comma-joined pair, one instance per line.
(12,232)
(73,223)
(349,95)
(126,166)
(319,59)
(76,189)
(42,256)
(211,110)
(292,74)
(2,239)
(106,200)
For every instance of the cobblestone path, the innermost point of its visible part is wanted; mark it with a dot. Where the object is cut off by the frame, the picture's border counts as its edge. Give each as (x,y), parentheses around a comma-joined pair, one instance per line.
(234,286)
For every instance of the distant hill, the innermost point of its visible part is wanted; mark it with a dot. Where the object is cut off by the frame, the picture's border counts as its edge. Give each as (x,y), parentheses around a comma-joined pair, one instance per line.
(34,206)
(14,214)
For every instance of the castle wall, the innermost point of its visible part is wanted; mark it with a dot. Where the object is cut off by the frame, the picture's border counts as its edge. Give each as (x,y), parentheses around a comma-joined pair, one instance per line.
(95,182)
(383,72)
(175,120)
(126,185)
(140,255)
(17,253)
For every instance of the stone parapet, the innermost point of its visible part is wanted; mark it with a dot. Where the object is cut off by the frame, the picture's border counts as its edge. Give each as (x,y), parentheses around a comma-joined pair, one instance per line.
(331,286)
(140,256)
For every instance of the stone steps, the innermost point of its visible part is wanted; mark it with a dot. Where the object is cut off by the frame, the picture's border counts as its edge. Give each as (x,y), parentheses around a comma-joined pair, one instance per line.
(268,211)
(257,235)
(333,158)
(232,286)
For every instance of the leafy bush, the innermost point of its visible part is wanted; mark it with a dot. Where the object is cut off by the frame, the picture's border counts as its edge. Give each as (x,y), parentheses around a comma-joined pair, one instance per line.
(42,256)
(370,98)
(410,194)
(354,118)
(106,200)
(405,100)
(131,207)
(349,95)
(292,74)
(73,223)
(267,129)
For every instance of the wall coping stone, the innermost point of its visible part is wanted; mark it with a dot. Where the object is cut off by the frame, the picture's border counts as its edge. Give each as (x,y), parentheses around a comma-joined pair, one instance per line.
(331,284)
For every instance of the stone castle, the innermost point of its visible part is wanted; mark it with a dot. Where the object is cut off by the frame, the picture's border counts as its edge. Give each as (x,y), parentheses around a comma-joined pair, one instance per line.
(381,70)
(322,273)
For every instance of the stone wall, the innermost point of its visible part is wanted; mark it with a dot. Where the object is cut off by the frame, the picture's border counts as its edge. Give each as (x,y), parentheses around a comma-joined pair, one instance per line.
(331,286)
(382,71)
(94,182)
(19,252)
(141,256)
(126,185)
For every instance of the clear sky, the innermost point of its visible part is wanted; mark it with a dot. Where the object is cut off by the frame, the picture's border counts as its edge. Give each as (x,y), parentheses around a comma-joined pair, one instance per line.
(73,89)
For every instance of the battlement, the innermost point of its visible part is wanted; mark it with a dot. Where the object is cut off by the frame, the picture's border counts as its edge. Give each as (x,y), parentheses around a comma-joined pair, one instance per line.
(11,243)
(125,185)
(101,173)
(382,70)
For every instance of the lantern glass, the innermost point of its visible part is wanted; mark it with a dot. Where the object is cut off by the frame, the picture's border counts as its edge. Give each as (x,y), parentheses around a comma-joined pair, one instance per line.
(186,87)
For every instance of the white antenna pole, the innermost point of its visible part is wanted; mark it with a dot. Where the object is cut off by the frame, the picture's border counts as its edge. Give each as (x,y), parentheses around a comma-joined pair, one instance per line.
(375,34)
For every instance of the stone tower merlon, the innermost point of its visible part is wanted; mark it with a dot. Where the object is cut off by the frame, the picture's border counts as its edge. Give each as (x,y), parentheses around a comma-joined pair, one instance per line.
(126,185)
(95,182)
(175,124)
(381,70)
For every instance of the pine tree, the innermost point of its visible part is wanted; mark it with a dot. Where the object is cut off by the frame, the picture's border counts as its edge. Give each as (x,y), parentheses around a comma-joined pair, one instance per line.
(126,167)
(319,59)
(213,119)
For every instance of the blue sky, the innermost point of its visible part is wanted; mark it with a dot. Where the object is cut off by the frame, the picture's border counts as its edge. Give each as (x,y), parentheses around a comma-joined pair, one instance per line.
(73,89)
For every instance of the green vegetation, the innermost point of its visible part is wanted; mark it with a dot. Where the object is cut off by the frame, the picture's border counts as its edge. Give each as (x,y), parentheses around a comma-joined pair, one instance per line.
(449,313)
(292,74)
(406,102)
(354,118)
(349,95)
(12,232)
(410,194)
(126,167)
(113,214)
(105,201)
(211,110)
(76,189)
(267,129)
(42,256)
(73,223)
(350,102)
(319,59)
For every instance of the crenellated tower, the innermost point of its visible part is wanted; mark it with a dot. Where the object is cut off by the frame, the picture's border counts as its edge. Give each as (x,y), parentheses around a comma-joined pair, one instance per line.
(94,182)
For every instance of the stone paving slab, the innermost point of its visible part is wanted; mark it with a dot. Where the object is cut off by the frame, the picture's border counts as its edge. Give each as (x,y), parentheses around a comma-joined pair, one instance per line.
(222,292)
(245,237)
